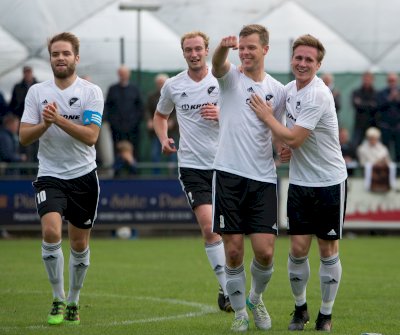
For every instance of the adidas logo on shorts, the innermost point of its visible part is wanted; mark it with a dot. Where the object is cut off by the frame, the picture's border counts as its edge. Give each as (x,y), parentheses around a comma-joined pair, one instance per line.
(332,233)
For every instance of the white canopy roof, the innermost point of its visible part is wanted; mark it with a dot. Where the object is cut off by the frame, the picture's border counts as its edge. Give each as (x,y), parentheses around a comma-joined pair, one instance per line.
(359,35)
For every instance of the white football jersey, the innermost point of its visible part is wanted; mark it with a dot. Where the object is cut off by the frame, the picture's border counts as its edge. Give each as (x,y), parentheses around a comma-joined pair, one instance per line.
(318,161)
(245,145)
(60,155)
(198,137)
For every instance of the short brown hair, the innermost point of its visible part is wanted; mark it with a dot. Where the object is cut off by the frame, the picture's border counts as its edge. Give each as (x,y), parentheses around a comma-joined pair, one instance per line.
(256,29)
(68,37)
(310,41)
(194,34)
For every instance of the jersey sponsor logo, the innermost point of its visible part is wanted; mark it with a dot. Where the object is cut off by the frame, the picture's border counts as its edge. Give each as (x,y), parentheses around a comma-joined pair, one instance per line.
(213,91)
(186,107)
(44,102)
(72,117)
(74,102)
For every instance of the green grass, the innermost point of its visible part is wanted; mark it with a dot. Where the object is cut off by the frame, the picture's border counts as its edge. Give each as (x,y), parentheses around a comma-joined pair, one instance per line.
(165,286)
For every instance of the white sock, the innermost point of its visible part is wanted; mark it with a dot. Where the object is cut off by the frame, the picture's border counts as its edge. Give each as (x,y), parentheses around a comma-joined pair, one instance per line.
(236,288)
(78,266)
(216,256)
(261,275)
(330,273)
(299,273)
(53,259)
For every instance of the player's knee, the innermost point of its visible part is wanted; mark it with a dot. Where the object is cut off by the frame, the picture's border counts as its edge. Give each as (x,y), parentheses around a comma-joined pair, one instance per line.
(51,234)
(79,245)
(265,257)
(234,257)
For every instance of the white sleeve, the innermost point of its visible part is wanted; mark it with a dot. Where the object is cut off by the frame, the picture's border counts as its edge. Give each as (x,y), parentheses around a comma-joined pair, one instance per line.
(32,114)
(280,105)
(165,104)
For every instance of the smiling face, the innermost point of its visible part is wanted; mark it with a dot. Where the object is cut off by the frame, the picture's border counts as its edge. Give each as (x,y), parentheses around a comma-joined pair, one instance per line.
(305,65)
(195,53)
(62,59)
(252,52)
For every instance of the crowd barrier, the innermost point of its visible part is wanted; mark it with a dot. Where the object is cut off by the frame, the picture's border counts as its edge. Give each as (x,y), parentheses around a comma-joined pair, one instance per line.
(161,201)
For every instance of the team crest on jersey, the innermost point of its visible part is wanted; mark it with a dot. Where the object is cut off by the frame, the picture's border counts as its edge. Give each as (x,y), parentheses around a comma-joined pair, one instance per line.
(268,97)
(298,105)
(213,91)
(74,102)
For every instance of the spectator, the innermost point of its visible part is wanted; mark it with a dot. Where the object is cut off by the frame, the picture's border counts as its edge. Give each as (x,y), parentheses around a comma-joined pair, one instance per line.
(329,81)
(20,90)
(17,106)
(124,109)
(125,163)
(9,144)
(3,107)
(389,115)
(104,146)
(364,101)
(374,156)
(348,150)
(173,132)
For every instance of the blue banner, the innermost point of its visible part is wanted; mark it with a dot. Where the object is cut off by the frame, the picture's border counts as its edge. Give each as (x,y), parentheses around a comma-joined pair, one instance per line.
(121,202)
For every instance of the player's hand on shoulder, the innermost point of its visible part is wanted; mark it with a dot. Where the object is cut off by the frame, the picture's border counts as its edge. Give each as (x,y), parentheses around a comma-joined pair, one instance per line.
(262,108)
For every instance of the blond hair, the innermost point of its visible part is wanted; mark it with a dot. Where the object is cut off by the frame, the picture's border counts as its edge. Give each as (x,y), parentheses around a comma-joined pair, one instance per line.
(194,34)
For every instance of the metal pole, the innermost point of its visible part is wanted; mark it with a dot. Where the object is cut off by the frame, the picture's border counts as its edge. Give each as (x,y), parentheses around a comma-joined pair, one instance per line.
(122,50)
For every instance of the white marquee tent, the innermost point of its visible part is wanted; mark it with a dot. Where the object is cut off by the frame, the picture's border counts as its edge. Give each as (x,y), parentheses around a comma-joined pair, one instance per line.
(359,35)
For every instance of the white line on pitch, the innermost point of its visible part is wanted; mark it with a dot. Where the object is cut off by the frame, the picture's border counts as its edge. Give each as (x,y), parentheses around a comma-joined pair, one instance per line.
(204,309)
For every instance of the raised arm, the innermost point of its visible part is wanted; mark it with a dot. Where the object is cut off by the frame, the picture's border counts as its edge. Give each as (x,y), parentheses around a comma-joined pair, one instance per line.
(220,62)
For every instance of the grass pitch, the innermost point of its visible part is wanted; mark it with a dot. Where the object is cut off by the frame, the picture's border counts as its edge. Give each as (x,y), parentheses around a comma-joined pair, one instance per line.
(166,286)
